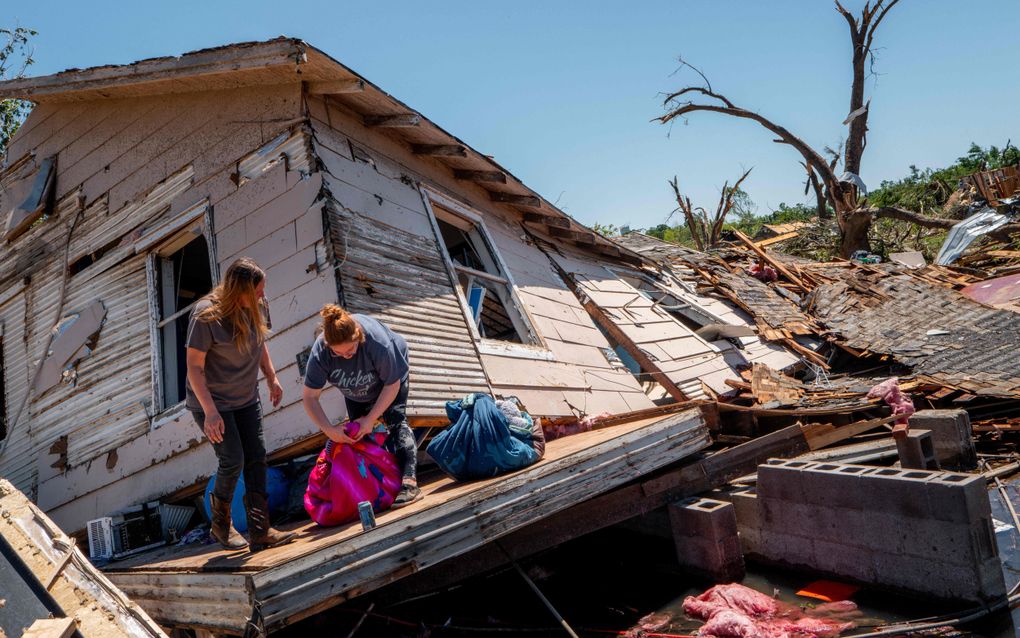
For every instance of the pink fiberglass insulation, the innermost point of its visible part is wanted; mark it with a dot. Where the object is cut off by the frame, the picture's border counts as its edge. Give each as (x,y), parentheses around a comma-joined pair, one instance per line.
(735,611)
(889,391)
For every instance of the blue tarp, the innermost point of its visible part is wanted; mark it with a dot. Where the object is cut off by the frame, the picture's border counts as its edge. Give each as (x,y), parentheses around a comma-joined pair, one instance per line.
(479,443)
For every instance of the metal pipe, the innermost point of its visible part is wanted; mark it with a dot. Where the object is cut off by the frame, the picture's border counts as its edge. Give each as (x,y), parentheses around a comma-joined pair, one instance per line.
(538,592)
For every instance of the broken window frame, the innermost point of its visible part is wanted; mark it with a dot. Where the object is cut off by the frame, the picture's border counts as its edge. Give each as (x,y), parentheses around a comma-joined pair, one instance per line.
(533,346)
(169,239)
(695,314)
(3,387)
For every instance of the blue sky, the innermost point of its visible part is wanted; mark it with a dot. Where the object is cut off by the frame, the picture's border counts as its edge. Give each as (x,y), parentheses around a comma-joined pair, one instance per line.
(563,93)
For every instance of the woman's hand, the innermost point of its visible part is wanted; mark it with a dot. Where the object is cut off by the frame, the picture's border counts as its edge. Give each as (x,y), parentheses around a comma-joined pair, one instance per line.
(275,391)
(336,434)
(214,426)
(365,428)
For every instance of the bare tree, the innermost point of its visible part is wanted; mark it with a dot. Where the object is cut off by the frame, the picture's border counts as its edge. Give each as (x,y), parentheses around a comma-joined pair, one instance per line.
(840,192)
(706,229)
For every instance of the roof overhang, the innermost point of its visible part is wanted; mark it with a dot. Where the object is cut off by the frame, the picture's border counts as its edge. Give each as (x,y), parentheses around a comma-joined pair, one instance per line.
(289,60)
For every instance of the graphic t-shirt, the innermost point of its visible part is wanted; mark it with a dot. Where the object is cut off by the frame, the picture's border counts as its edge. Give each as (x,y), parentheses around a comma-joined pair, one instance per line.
(379,361)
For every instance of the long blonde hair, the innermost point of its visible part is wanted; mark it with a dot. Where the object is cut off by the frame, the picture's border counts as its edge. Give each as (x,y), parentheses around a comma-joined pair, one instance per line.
(339,327)
(236,304)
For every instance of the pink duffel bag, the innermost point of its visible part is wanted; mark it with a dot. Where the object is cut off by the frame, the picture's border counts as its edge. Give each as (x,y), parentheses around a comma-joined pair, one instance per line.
(345,475)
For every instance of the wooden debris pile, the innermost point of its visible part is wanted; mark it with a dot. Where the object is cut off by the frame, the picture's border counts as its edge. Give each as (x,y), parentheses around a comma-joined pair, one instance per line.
(849,315)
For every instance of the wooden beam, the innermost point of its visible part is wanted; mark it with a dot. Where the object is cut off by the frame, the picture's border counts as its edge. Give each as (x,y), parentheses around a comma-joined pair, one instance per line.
(336,87)
(744,239)
(399,120)
(439,150)
(520,200)
(549,220)
(494,177)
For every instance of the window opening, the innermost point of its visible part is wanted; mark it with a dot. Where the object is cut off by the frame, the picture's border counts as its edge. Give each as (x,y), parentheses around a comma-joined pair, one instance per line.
(3,393)
(182,277)
(486,290)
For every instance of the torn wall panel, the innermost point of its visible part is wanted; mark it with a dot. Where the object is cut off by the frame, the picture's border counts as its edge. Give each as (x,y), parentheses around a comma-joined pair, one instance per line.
(629,311)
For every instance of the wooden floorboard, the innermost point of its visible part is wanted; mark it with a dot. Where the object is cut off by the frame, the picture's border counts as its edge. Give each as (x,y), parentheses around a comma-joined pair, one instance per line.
(328,565)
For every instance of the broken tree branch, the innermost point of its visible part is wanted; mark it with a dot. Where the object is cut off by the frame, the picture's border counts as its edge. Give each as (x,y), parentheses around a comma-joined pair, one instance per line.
(892,212)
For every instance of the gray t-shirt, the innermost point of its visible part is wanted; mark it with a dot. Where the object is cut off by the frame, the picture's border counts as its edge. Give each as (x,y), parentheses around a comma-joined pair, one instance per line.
(378,362)
(231,375)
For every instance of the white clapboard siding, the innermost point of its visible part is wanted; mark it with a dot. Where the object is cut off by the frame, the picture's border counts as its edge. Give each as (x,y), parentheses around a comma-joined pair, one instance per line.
(685,358)
(400,279)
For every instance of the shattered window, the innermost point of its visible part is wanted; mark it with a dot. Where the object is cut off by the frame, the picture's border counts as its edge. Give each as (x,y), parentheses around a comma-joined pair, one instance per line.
(485,287)
(182,278)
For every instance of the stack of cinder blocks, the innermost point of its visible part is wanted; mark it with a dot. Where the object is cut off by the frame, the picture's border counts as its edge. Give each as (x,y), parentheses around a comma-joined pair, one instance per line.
(916,531)
(951,435)
(705,533)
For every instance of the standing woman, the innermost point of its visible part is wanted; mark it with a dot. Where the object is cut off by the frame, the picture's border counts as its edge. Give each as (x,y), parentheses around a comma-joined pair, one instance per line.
(367,362)
(226,348)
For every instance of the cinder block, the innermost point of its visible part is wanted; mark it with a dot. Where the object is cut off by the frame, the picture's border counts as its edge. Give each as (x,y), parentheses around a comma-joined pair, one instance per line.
(958,497)
(703,517)
(952,436)
(840,559)
(786,549)
(896,491)
(835,485)
(780,479)
(916,450)
(745,507)
(705,535)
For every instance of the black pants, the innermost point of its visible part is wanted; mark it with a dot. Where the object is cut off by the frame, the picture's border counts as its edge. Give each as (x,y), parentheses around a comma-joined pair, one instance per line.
(400,439)
(242,450)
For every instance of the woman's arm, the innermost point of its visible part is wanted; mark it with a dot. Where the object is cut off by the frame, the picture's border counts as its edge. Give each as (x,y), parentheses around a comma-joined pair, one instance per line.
(310,399)
(275,389)
(196,376)
(385,400)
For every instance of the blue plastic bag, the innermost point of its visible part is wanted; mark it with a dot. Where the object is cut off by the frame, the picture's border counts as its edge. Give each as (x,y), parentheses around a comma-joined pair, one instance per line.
(277,486)
(479,442)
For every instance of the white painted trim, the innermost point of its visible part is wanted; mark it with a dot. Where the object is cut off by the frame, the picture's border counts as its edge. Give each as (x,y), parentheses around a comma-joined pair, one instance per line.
(430,195)
(152,289)
(169,415)
(514,350)
(450,204)
(152,236)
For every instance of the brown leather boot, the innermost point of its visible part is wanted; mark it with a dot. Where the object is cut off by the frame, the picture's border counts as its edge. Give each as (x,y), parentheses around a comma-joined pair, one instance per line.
(222,528)
(260,534)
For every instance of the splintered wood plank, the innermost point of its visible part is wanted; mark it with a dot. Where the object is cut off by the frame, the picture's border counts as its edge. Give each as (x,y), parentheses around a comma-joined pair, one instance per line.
(51,628)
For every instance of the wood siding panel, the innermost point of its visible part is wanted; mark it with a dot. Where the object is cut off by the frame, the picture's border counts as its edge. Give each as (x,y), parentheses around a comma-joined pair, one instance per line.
(685,358)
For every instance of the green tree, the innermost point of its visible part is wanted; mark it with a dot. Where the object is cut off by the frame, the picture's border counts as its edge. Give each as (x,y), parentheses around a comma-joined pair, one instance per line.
(15,58)
(606,230)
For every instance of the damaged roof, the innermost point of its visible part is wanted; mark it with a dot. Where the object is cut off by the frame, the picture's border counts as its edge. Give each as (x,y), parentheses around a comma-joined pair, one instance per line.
(287,60)
(914,316)
(939,332)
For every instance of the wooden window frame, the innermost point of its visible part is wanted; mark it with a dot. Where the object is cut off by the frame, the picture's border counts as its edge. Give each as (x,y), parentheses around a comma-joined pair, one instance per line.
(172,237)
(537,349)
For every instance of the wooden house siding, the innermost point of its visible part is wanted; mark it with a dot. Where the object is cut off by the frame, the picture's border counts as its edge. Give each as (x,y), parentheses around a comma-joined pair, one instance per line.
(383,187)
(325,204)
(685,359)
(135,164)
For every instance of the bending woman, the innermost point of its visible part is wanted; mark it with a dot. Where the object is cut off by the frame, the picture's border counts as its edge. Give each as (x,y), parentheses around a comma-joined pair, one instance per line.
(367,362)
(226,348)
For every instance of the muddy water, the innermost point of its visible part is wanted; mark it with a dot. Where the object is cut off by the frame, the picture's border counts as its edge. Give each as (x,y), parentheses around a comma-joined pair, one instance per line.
(606,583)
(603,585)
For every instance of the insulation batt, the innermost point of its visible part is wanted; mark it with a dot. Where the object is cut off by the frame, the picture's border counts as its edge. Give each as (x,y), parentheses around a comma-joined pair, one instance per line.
(735,611)
(889,391)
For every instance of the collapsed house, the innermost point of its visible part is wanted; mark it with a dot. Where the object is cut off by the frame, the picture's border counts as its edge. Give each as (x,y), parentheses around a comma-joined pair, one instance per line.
(130,188)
